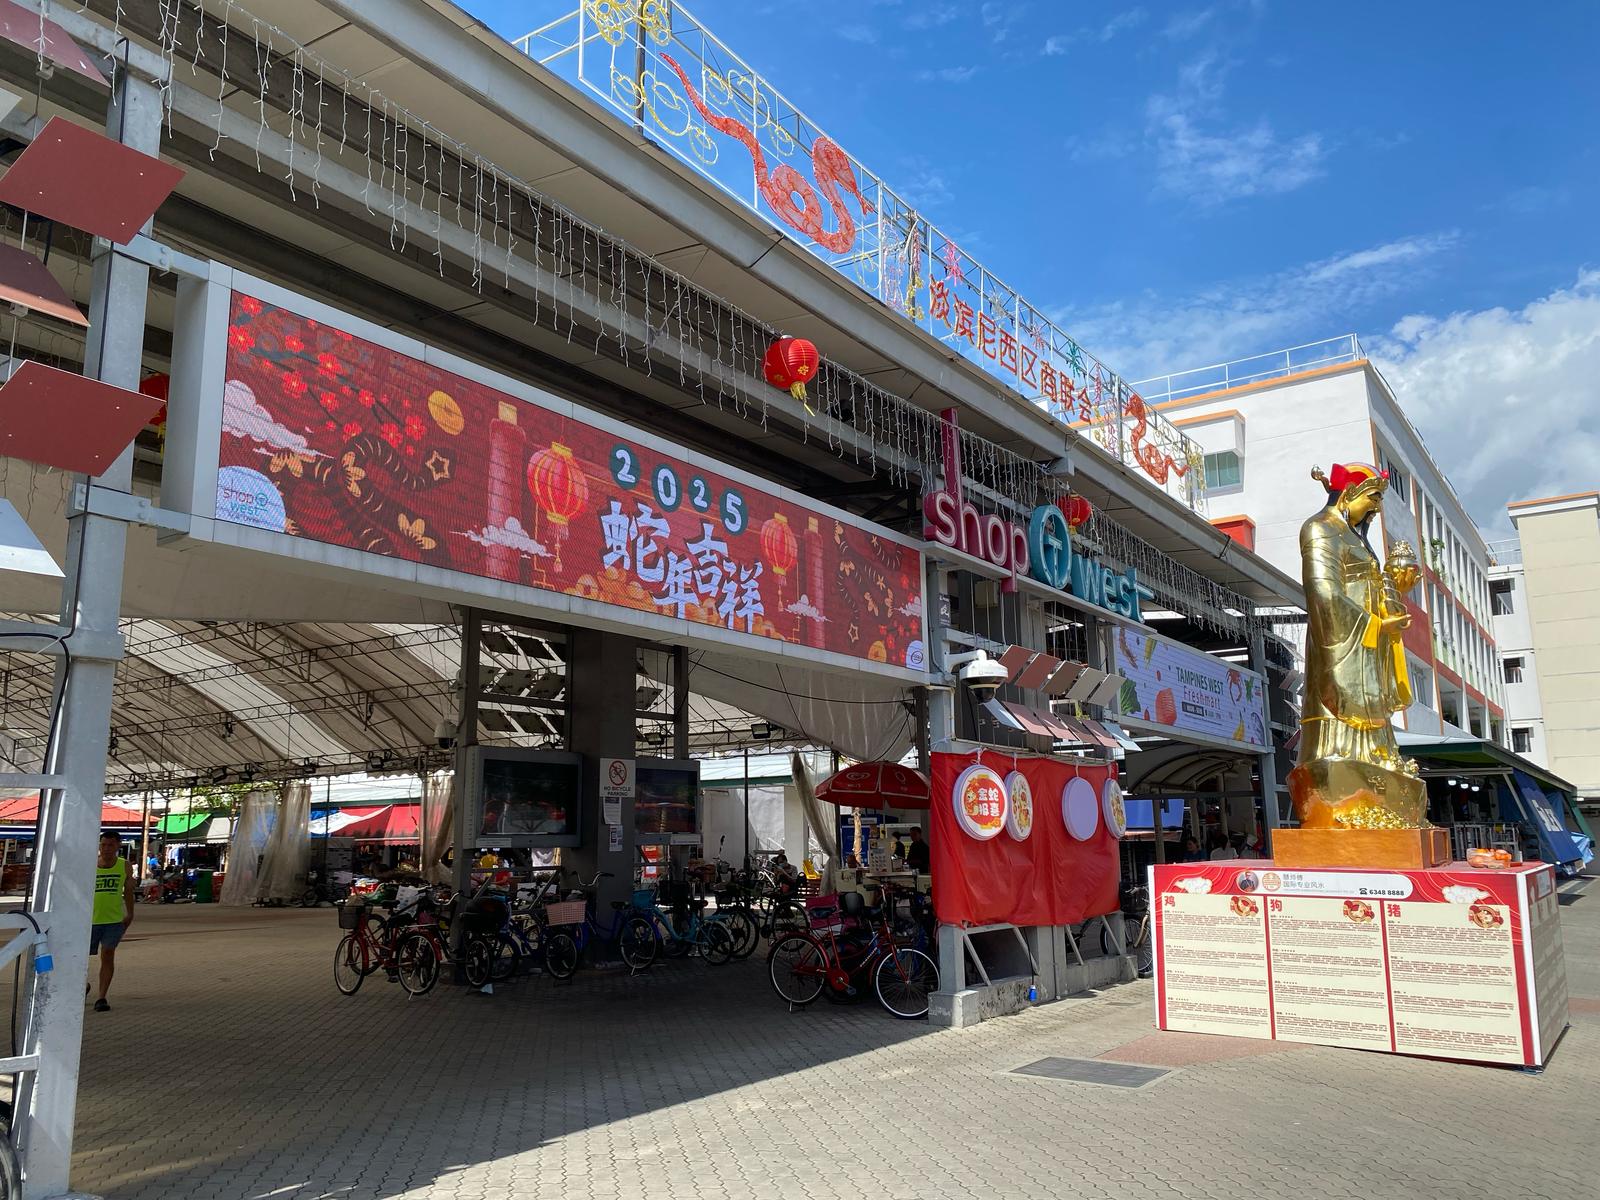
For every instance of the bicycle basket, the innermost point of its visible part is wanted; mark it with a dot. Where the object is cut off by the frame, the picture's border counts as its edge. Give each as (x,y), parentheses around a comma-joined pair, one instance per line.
(351,914)
(565,912)
(644,898)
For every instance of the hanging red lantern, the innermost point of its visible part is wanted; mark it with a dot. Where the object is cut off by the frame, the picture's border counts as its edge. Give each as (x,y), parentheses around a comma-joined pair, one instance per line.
(1076,509)
(778,545)
(557,483)
(791,363)
(157,386)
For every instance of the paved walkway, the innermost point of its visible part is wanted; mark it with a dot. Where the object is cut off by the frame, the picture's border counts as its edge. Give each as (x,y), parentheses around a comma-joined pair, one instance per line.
(230,1068)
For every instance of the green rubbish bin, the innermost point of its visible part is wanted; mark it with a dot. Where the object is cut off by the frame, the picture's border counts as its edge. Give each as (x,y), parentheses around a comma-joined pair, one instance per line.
(204,891)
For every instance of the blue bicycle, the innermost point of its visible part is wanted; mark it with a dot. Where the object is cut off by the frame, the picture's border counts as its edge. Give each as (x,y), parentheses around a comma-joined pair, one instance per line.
(629,931)
(684,927)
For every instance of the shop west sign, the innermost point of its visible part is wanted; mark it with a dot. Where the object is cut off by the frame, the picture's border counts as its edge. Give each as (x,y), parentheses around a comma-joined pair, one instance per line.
(1043,550)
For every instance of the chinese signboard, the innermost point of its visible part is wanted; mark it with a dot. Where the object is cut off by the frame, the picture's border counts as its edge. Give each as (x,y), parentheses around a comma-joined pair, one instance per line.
(1448,963)
(336,439)
(654,63)
(1169,684)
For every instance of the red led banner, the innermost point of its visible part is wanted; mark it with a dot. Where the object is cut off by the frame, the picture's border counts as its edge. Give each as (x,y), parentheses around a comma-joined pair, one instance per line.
(335,439)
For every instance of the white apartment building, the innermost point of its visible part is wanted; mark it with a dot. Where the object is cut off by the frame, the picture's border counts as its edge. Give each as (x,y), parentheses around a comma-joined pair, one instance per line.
(1264,422)
(1545,596)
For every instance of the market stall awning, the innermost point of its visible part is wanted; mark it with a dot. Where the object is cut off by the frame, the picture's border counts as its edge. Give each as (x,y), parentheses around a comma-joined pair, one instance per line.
(369,823)
(183,824)
(24,811)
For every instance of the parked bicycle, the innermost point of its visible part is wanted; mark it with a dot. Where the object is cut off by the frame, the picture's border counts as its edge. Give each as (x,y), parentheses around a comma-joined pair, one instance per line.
(410,953)
(679,923)
(1135,928)
(630,933)
(848,948)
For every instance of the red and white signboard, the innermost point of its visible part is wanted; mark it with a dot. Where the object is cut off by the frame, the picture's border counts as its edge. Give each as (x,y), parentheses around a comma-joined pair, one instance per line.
(332,433)
(1447,963)
(994,875)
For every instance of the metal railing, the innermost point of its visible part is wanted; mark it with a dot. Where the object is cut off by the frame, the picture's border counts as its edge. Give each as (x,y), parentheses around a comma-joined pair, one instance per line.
(1507,553)
(1274,364)
(655,65)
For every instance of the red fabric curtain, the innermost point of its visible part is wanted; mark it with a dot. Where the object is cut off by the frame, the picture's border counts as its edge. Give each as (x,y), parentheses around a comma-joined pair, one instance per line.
(1051,878)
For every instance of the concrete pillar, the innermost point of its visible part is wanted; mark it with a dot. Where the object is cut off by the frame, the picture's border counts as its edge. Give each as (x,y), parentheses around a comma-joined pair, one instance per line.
(602,686)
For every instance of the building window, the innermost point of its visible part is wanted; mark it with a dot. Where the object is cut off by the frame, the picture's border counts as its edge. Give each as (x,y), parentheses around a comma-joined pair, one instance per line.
(1521,740)
(1223,470)
(1500,591)
(1398,487)
(1513,670)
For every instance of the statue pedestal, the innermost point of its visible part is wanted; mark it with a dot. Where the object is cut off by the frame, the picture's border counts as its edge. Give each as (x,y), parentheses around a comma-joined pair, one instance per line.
(1410,849)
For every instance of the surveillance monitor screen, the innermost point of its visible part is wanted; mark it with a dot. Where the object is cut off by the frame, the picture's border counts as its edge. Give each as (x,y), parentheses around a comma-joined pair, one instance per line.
(531,801)
(667,799)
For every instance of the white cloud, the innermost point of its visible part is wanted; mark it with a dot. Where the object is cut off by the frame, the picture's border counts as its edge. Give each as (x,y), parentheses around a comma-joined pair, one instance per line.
(948,74)
(1210,161)
(922,185)
(511,535)
(999,18)
(1469,379)
(1055,45)
(933,16)
(1130,19)
(1187,24)
(1149,334)
(864,34)
(1213,168)
(244,417)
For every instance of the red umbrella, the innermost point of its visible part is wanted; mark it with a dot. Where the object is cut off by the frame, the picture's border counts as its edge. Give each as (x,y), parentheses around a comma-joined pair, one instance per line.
(876,785)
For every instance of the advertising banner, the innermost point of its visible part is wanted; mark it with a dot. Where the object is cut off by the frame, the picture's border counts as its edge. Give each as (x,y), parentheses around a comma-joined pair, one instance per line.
(1447,963)
(992,864)
(339,440)
(1186,690)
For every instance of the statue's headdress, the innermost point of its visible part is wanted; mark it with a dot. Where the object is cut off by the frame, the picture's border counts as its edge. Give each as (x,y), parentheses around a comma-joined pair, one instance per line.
(1349,480)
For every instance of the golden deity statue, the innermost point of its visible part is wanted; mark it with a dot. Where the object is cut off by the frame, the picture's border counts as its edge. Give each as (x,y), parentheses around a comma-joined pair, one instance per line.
(1350,777)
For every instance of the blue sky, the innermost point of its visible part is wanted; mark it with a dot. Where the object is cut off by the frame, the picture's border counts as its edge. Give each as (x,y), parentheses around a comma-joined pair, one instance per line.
(1182,184)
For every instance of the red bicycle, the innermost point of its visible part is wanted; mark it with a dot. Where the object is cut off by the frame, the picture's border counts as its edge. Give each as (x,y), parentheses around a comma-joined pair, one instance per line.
(826,956)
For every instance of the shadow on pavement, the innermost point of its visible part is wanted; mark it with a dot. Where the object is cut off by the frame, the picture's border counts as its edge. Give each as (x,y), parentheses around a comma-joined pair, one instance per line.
(231,1066)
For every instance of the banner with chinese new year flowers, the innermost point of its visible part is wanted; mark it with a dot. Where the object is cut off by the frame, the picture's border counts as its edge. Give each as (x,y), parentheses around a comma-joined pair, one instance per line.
(336,439)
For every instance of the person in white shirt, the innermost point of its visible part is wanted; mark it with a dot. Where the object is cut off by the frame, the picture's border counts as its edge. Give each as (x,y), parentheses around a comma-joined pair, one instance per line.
(1220,850)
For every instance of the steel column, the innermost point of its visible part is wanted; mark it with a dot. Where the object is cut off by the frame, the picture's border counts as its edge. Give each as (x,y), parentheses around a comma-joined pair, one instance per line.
(69,819)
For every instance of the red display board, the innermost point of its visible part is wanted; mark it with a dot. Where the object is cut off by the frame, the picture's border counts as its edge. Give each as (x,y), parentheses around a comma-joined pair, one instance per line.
(336,439)
(1447,963)
(984,873)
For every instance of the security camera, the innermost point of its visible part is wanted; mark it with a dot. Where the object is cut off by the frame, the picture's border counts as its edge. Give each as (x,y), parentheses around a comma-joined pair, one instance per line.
(984,675)
(445,733)
(978,671)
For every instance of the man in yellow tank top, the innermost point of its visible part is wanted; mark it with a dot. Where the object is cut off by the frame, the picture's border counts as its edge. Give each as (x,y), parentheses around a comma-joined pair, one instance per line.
(113,911)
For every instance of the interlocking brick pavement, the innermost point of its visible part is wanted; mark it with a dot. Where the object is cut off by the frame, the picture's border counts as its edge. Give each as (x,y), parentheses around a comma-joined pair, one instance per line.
(231,1069)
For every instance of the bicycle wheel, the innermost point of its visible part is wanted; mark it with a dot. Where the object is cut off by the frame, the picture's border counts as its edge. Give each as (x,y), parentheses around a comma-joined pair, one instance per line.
(477,961)
(637,944)
(416,959)
(560,954)
(675,938)
(904,980)
(798,968)
(350,964)
(1108,944)
(507,958)
(716,943)
(742,926)
(10,1169)
(787,919)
